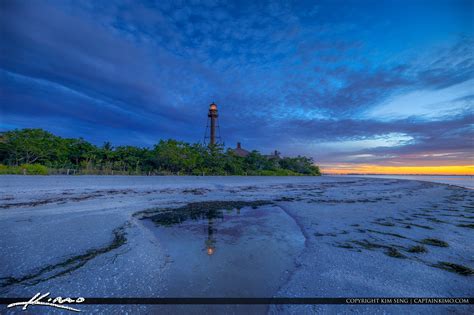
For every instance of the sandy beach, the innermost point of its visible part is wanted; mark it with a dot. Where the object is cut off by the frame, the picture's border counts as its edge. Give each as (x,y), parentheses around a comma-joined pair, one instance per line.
(113,236)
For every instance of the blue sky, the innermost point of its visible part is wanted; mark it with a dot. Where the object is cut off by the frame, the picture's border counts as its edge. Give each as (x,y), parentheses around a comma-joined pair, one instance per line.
(346,82)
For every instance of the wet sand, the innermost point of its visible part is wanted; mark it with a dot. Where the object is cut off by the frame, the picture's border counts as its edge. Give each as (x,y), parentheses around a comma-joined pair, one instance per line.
(269,236)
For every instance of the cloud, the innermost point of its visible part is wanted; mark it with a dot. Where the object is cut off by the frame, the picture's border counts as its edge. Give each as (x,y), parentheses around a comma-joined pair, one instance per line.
(285,75)
(429,104)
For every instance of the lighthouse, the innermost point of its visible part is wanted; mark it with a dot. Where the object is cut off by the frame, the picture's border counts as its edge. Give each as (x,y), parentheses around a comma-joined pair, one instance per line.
(213,118)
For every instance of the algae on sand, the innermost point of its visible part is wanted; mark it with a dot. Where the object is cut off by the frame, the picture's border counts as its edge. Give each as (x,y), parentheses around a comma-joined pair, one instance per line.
(460,269)
(434,242)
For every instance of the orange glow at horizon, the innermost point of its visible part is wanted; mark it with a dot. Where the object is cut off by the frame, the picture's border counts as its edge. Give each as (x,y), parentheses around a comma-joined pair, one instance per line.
(398,170)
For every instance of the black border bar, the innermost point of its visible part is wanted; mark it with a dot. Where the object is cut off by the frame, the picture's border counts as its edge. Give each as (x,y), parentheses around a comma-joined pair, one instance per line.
(256,301)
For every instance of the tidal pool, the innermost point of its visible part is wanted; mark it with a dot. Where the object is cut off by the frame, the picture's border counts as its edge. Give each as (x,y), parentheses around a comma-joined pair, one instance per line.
(226,249)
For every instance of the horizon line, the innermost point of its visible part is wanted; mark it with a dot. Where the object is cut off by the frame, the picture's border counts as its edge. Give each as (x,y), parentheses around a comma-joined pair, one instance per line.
(395,174)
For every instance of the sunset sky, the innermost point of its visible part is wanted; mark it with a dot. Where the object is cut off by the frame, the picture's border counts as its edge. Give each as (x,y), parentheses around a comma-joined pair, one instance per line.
(360,86)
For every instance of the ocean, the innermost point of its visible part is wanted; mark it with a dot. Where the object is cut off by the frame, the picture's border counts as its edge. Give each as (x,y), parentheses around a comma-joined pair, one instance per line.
(463,181)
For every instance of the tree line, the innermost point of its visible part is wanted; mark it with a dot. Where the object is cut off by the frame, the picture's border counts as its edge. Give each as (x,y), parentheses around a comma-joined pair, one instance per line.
(36,151)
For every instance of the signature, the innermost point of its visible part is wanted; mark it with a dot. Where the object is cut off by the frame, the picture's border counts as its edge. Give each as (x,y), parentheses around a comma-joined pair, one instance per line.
(48,301)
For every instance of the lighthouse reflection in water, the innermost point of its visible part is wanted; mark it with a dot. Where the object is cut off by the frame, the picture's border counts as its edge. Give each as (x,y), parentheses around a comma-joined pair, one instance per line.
(208,211)
(211,241)
(223,248)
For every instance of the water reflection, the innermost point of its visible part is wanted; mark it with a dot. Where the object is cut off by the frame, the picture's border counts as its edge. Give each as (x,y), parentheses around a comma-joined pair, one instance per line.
(225,249)
(210,242)
(459,180)
(211,211)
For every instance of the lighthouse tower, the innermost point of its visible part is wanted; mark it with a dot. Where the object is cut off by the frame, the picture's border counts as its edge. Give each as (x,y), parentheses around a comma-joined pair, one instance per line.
(212,115)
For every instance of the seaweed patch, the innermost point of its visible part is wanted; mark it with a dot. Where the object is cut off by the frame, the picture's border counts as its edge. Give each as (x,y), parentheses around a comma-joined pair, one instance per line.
(459,269)
(434,242)
(69,265)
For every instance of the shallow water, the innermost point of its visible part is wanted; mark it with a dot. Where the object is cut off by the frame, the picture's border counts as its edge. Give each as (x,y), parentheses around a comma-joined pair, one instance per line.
(247,252)
(463,181)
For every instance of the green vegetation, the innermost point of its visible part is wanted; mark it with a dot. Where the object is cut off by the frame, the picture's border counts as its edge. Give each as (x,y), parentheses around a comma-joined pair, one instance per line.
(36,151)
(30,169)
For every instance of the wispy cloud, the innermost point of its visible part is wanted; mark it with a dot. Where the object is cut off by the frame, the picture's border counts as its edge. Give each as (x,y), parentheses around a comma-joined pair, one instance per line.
(298,77)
